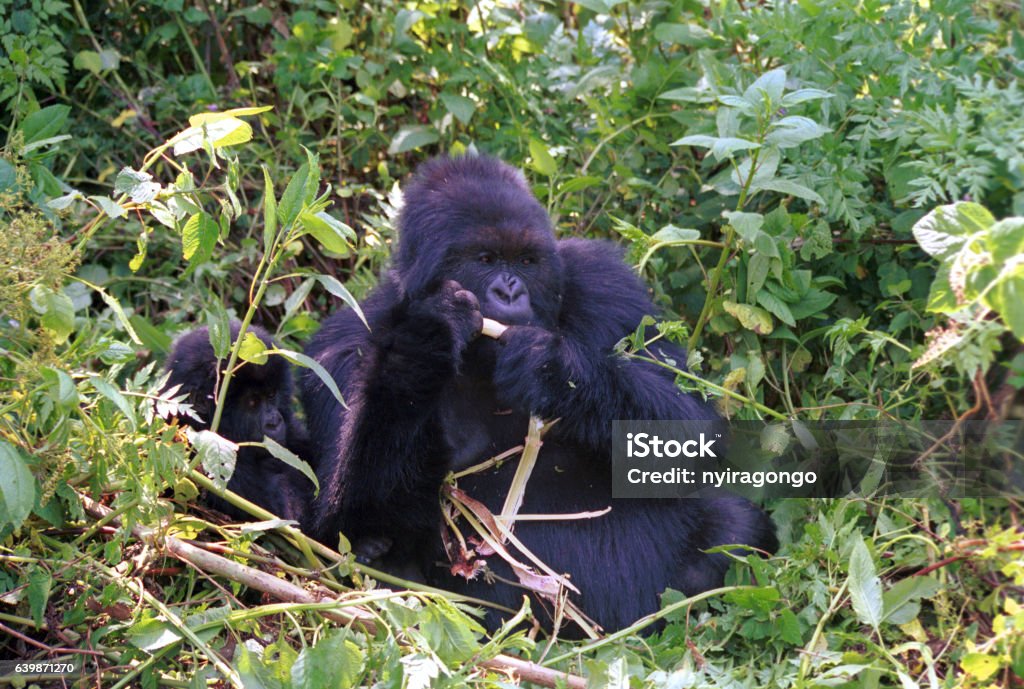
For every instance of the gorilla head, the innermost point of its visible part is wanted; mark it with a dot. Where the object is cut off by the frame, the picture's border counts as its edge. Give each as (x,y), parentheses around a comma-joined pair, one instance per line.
(259,397)
(474,220)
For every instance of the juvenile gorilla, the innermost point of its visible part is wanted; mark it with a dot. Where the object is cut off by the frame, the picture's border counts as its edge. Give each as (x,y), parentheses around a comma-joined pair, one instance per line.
(258,404)
(426,396)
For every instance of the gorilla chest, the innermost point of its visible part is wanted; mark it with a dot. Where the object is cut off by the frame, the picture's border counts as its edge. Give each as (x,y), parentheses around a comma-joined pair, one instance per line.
(475,426)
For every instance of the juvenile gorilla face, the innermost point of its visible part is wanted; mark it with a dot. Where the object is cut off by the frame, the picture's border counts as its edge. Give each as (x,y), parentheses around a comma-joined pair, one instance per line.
(255,412)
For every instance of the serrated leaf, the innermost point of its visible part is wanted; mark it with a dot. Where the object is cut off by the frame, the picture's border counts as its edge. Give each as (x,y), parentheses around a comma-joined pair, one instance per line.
(114,395)
(335,661)
(138,185)
(1006,239)
(39,585)
(199,237)
(217,455)
(18,487)
(774,438)
(1007,298)
(864,584)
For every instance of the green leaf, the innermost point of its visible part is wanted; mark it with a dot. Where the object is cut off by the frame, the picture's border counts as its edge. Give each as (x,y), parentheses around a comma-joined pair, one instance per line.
(56,311)
(1007,298)
(313,365)
(769,85)
(115,396)
(460,107)
(138,185)
(294,195)
(802,96)
(109,206)
(945,230)
(776,306)
(579,183)
(864,584)
(88,60)
(45,123)
(253,350)
(775,438)
(217,132)
(750,317)
(269,211)
(217,455)
(747,225)
(791,188)
(335,661)
(18,487)
(721,147)
(794,130)
(1006,239)
(412,138)
(39,585)
(683,34)
(812,302)
(789,627)
(900,601)
(671,234)
(199,237)
(334,286)
(332,234)
(542,161)
(979,665)
(291,459)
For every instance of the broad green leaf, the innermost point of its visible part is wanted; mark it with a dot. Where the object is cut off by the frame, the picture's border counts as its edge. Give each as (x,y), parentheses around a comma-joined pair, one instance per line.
(542,161)
(18,487)
(864,585)
(219,133)
(291,459)
(812,302)
(109,206)
(737,102)
(199,237)
(1007,298)
(253,350)
(332,234)
(671,233)
(40,584)
(750,317)
(901,601)
(767,165)
(218,328)
(689,94)
(210,117)
(776,306)
(56,311)
(775,438)
(269,211)
(460,107)
(62,202)
(683,34)
(411,138)
(1006,239)
(791,188)
(579,183)
(721,147)
(945,230)
(88,60)
(45,123)
(771,85)
(747,225)
(794,130)
(981,666)
(294,196)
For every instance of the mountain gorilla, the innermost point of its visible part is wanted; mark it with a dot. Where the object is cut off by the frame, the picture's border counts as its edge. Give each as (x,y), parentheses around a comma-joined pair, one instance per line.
(259,403)
(426,395)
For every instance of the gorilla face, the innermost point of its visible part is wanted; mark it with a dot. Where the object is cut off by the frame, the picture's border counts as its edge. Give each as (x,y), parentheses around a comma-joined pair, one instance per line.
(253,413)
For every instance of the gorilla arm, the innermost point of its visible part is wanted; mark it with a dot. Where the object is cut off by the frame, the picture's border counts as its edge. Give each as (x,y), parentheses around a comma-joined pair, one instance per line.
(380,473)
(572,372)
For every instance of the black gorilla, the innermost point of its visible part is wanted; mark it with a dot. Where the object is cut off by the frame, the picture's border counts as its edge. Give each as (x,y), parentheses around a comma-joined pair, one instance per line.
(259,403)
(426,396)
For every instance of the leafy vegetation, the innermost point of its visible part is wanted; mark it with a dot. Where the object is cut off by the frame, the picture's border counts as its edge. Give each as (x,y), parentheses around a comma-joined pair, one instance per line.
(826,197)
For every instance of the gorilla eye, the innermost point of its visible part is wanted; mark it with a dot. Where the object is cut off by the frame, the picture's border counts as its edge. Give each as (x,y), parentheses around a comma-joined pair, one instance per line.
(527,260)
(486,258)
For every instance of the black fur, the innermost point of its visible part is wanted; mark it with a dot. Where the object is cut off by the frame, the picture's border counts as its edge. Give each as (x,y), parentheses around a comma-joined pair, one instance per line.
(426,395)
(259,403)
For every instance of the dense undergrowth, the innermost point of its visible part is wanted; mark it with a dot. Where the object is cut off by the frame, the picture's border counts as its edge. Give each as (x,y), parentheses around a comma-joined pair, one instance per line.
(775,171)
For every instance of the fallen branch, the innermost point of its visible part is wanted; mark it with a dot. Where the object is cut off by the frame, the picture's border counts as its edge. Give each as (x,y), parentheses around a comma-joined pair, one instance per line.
(288,592)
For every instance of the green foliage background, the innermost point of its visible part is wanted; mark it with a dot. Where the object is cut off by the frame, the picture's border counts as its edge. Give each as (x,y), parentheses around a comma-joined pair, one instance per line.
(774,169)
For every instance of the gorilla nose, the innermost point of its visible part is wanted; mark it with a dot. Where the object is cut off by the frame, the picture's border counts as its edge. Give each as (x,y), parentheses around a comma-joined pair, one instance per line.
(508,291)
